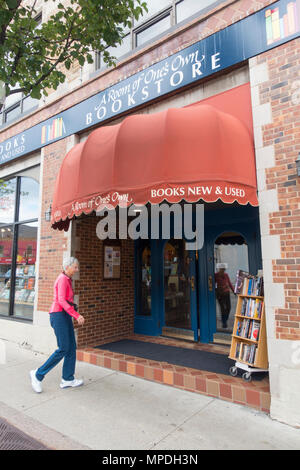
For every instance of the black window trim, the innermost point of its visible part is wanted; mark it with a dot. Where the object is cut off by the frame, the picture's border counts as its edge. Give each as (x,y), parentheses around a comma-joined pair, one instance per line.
(15,224)
(100,66)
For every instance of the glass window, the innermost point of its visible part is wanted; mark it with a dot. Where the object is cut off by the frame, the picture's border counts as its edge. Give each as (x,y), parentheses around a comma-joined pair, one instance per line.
(29,103)
(25,270)
(6,240)
(230,255)
(187,8)
(12,99)
(29,199)
(177,285)
(121,49)
(154,7)
(7,200)
(144,294)
(153,30)
(18,244)
(13,113)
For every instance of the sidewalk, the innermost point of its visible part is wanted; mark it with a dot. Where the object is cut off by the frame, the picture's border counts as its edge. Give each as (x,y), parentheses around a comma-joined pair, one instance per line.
(114,410)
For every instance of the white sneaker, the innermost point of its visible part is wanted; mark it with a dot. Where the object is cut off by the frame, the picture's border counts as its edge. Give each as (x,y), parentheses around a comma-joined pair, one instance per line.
(35,383)
(71,383)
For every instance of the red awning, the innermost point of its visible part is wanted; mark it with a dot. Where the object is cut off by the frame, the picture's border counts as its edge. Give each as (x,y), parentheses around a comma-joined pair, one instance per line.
(192,153)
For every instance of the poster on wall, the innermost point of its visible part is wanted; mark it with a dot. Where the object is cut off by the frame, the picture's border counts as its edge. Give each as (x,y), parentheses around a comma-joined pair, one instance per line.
(112,262)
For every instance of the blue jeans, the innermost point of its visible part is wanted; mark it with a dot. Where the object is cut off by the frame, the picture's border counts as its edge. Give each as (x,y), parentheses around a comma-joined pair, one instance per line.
(62,324)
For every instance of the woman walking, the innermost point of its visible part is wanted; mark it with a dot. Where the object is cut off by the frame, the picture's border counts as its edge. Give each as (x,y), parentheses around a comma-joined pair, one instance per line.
(62,313)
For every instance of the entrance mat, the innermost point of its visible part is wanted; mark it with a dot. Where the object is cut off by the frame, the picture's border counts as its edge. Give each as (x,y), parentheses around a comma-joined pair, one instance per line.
(191,358)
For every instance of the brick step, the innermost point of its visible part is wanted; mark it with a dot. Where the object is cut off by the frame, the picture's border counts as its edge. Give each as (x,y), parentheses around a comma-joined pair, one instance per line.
(255,394)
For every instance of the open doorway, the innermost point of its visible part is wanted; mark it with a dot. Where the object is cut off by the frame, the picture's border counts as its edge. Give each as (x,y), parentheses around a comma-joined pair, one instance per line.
(230,255)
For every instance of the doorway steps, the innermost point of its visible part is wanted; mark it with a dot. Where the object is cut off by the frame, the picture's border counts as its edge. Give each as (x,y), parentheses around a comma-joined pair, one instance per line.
(254,394)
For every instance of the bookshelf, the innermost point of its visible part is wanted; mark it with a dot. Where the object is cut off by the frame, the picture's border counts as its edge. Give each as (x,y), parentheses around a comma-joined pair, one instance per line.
(249,343)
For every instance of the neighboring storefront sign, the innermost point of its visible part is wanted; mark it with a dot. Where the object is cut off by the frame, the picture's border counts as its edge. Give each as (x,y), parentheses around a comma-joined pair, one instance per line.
(257,33)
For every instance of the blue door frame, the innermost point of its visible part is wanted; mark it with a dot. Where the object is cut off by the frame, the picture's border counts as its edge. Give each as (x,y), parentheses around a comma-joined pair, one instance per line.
(219,218)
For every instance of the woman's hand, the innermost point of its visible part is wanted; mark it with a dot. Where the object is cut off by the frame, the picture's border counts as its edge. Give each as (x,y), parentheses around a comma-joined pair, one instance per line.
(80,320)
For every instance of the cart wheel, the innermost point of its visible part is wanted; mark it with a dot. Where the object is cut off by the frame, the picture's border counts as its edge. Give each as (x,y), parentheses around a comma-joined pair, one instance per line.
(233,371)
(247,376)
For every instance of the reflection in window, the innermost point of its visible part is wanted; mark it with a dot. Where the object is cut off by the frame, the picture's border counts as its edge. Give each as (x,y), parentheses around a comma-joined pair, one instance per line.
(25,270)
(177,285)
(18,245)
(154,30)
(121,49)
(29,199)
(154,7)
(161,16)
(144,294)
(187,8)
(7,200)
(230,255)
(6,238)
(13,113)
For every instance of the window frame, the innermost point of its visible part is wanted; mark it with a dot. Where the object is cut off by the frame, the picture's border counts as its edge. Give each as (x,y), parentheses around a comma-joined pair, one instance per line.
(150,22)
(135,30)
(15,224)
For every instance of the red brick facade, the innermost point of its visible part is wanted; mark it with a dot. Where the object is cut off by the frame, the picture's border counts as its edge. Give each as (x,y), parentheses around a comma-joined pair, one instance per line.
(223,15)
(283,92)
(52,243)
(283,133)
(107,305)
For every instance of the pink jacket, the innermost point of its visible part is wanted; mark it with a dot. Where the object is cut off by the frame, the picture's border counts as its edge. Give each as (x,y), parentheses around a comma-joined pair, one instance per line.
(63,291)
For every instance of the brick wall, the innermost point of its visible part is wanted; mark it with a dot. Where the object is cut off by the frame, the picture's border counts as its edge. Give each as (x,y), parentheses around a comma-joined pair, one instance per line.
(220,17)
(52,242)
(282,91)
(107,305)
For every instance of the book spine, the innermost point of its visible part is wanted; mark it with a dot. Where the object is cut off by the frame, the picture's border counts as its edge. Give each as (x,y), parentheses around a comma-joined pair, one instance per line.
(53,130)
(275,24)
(269,31)
(298,13)
(291,17)
(249,287)
(296,17)
(63,127)
(57,128)
(43,134)
(281,23)
(286,25)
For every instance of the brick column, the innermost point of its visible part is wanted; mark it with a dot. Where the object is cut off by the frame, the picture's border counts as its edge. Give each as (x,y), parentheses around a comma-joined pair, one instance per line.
(276,118)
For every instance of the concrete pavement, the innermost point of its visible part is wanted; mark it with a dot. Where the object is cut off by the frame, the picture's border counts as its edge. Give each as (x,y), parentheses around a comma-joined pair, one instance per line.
(118,411)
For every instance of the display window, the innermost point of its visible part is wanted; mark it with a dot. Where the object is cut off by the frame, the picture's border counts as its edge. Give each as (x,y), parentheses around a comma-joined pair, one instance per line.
(19,206)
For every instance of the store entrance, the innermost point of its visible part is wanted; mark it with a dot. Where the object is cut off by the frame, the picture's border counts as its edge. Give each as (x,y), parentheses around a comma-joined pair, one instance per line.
(175,289)
(230,255)
(180,299)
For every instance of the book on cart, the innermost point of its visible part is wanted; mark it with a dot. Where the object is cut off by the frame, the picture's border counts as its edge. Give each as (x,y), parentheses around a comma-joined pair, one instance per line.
(249,343)
(247,284)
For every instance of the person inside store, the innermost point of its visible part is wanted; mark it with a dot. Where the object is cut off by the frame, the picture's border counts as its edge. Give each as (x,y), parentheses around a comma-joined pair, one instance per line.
(223,288)
(62,312)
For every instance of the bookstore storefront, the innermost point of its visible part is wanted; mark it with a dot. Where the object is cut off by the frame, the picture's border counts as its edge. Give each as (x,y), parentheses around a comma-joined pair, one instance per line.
(192,155)
(211,123)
